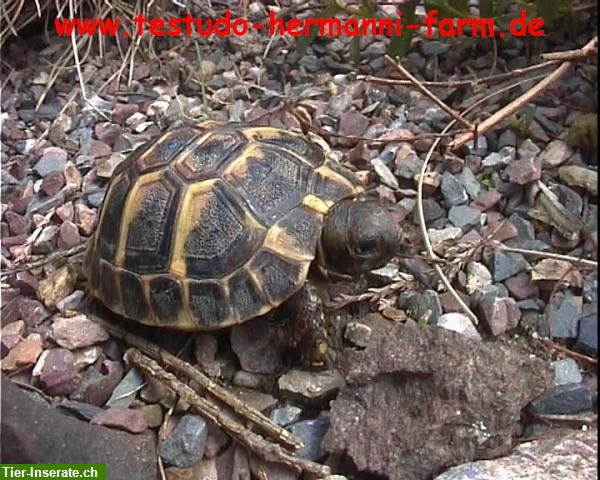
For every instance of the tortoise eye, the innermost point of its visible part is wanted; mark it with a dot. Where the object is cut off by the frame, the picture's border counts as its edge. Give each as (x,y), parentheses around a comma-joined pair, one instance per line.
(366,245)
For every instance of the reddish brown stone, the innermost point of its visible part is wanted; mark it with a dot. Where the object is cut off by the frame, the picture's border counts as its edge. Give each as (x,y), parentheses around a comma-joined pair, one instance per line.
(69,235)
(58,375)
(521,286)
(52,183)
(86,218)
(24,354)
(18,224)
(26,283)
(129,420)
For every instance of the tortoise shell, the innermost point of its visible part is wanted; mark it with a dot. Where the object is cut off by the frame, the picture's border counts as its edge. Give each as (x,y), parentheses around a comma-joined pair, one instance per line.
(211,225)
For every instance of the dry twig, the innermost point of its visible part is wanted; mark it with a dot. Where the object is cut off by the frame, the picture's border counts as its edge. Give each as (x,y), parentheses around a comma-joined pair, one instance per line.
(280,434)
(252,441)
(425,91)
(521,101)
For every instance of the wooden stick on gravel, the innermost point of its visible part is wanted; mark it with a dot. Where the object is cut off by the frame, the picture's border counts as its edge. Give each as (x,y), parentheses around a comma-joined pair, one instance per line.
(429,94)
(557,256)
(252,441)
(247,412)
(521,101)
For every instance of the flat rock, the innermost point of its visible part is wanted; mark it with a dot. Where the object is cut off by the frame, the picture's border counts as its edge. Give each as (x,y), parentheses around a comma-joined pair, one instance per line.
(82,410)
(310,387)
(571,454)
(56,286)
(122,419)
(446,381)
(184,447)
(76,332)
(33,432)
(353,123)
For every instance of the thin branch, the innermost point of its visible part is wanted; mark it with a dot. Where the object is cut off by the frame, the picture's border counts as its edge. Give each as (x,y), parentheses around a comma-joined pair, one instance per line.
(429,94)
(521,101)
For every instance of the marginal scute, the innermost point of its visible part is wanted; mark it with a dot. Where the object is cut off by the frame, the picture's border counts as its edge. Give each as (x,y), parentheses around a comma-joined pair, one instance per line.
(108,230)
(165,298)
(244,296)
(208,305)
(134,299)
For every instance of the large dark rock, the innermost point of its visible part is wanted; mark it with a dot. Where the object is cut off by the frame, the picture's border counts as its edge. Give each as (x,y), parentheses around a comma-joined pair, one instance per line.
(422,399)
(33,432)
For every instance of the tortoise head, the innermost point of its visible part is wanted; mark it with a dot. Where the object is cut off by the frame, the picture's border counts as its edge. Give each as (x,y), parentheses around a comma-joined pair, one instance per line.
(358,236)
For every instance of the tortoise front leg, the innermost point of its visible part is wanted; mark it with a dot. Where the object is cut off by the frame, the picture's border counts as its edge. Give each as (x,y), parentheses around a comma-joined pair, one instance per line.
(306,330)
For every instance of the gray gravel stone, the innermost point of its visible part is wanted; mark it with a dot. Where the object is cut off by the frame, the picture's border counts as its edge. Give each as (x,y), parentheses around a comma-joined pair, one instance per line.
(310,387)
(311,433)
(465,218)
(284,416)
(507,264)
(53,159)
(587,336)
(425,307)
(524,227)
(566,371)
(470,183)
(358,334)
(185,446)
(563,315)
(452,190)
(125,392)
(564,400)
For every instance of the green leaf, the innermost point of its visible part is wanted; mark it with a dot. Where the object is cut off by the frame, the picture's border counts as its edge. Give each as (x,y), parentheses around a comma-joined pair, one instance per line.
(493,8)
(400,44)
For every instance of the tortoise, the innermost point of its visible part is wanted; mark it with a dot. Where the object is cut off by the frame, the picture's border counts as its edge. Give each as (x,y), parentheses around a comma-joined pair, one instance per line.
(213,224)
